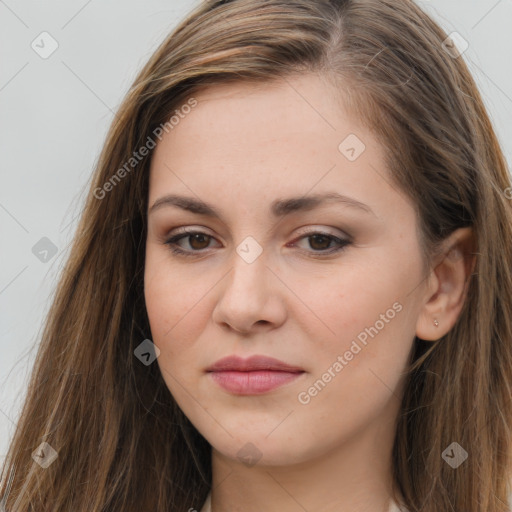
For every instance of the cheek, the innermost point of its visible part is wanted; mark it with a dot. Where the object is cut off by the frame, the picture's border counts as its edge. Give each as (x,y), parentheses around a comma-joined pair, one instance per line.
(339,307)
(170,310)
(362,315)
(178,312)
(176,321)
(171,299)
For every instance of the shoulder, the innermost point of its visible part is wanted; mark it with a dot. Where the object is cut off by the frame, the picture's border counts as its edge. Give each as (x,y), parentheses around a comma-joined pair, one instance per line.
(207,504)
(393,507)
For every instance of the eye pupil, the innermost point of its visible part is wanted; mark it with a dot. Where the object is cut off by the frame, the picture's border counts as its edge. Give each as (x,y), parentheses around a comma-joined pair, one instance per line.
(198,237)
(316,238)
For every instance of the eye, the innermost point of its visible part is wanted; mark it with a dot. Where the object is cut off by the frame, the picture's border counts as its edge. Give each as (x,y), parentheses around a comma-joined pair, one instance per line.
(198,241)
(321,242)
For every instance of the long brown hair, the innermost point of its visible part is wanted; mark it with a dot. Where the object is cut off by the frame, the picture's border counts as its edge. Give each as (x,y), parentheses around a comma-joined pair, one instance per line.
(122,442)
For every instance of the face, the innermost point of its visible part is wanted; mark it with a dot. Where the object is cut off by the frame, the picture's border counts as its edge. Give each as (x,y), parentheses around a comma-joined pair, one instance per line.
(330,286)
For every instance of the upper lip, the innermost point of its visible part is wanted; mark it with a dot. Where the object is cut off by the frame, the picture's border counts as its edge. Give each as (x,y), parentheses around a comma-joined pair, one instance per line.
(253,363)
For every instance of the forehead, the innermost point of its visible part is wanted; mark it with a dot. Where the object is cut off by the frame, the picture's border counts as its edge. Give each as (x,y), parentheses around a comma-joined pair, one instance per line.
(254,143)
(284,121)
(271,106)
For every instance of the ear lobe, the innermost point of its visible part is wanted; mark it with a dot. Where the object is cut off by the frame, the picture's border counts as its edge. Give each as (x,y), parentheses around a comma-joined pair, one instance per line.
(447,286)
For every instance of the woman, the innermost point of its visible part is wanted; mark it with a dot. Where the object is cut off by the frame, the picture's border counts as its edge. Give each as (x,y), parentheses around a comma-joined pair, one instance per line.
(290,286)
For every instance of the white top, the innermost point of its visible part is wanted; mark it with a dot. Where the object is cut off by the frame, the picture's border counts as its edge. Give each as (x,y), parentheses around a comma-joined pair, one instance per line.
(207,507)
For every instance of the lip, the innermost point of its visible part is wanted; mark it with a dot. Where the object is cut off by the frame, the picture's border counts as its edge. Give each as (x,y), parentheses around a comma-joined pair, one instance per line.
(254,375)
(253,363)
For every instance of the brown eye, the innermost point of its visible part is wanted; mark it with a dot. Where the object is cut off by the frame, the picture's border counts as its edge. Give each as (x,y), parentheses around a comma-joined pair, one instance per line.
(197,241)
(320,242)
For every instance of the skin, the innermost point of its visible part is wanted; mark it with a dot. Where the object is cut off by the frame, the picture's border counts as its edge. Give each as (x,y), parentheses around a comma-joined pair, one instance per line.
(242,147)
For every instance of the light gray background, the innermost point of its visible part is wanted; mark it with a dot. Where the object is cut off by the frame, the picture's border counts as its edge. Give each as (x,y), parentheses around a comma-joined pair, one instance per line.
(55,113)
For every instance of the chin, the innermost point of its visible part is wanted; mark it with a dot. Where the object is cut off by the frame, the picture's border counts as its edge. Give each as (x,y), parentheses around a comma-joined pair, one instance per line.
(257,448)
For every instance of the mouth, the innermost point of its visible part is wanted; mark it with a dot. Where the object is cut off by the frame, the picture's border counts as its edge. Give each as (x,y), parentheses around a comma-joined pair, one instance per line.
(252,376)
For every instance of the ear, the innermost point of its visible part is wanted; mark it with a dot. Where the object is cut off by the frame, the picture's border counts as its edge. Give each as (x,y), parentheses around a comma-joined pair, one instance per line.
(447,285)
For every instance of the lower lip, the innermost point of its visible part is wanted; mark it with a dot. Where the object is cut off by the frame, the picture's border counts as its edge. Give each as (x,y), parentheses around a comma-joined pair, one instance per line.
(253,383)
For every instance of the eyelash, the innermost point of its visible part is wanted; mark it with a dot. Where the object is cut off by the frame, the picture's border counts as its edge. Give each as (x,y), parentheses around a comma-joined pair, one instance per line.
(171,242)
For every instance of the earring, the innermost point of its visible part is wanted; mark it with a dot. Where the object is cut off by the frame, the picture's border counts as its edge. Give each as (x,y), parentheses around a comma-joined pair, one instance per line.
(436,323)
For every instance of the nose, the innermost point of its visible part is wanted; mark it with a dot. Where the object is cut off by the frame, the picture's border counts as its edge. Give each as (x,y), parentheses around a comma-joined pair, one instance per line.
(251,297)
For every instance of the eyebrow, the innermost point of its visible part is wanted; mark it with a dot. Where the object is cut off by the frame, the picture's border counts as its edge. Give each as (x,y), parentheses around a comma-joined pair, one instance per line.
(278,208)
